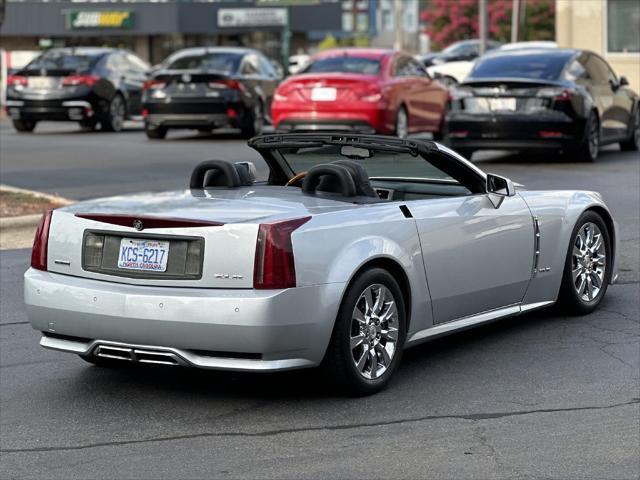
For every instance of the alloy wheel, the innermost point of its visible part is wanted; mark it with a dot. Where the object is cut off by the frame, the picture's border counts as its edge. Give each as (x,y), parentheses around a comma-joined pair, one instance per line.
(374,331)
(402,124)
(589,262)
(116,112)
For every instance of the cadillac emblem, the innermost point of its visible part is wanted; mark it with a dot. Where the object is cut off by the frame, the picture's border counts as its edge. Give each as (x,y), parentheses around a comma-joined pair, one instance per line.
(137,224)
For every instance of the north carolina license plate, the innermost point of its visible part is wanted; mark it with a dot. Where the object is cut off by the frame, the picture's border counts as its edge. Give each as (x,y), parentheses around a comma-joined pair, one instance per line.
(42,82)
(144,255)
(323,94)
(502,104)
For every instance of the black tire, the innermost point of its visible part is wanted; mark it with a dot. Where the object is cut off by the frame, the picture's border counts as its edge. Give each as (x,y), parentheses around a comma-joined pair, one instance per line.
(402,123)
(632,144)
(569,299)
(88,125)
(339,364)
(587,150)
(105,362)
(156,133)
(113,119)
(253,122)
(24,126)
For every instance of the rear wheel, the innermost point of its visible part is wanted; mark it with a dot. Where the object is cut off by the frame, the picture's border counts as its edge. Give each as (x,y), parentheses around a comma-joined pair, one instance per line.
(402,123)
(24,125)
(253,121)
(587,270)
(633,142)
(587,150)
(368,336)
(156,133)
(114,118)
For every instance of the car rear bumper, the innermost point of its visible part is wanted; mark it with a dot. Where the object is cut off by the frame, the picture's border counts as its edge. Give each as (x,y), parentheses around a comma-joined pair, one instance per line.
(233,329)
(194,114)
(52,110)
(369,119)
(546,130)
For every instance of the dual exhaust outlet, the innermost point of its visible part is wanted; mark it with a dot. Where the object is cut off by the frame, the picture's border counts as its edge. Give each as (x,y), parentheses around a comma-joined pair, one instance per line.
(138,355)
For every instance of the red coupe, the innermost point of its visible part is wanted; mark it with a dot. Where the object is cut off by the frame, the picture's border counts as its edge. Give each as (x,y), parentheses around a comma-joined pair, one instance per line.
(363,90)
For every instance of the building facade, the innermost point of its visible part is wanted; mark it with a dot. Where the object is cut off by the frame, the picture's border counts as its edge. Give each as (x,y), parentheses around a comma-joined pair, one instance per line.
(610,28)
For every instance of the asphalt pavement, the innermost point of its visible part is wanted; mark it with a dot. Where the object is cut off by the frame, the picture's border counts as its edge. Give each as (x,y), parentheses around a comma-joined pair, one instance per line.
(538,396)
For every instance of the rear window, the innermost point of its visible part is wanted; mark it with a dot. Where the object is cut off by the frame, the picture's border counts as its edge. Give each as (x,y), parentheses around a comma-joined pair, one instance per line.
(56,60)
(344,64)
(219,62)
(538,67)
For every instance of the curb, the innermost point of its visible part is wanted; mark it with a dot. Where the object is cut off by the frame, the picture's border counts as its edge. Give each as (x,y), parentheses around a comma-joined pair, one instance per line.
(23,221)
(52,198)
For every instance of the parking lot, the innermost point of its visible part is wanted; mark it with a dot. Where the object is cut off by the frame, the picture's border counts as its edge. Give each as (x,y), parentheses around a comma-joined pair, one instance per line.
(541,395)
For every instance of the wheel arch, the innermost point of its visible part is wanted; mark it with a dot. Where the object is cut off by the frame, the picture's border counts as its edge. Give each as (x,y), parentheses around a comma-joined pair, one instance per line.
(609,222)
(396,270)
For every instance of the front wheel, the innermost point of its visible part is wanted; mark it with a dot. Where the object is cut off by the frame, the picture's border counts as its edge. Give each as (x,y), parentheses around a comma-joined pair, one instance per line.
(254,121)
(369,334)
(114,118)
(24,126)
(402,123)
(633,142)
(587,269)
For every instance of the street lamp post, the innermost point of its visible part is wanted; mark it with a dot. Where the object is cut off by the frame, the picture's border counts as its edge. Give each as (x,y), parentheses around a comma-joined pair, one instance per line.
(482,24)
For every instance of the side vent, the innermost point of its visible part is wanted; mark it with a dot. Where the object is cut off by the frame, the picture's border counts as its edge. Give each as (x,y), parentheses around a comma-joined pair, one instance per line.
(536,245)
(405,211)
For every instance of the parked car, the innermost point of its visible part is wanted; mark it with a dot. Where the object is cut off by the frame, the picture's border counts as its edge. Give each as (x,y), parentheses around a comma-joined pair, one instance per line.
(464,50)
(85,84)
(364,90)
(210,87)
(354,249)
(452,73)
(296,62)
(550,99)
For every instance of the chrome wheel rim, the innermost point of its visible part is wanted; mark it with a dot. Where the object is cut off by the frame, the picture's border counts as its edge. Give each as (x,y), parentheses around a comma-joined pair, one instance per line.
(402,124)
(589,262)
(593,139)
(116,111)
(374,331)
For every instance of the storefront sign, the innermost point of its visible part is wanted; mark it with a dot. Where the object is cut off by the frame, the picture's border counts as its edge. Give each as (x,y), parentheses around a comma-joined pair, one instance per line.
(79,19)
(252,17)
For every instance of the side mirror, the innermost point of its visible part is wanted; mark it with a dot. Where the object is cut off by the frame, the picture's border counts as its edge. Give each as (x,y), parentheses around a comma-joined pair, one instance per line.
(623,81)
(498,188)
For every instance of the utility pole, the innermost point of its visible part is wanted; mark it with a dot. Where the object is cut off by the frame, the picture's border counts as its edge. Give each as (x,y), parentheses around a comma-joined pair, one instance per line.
(397,25)
(515,20)
(482,24)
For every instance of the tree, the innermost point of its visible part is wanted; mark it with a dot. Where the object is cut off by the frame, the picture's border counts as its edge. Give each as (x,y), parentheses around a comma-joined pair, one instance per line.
(448,21)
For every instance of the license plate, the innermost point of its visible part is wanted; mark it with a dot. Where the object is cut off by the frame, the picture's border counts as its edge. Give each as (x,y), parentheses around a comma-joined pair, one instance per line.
(323,94)
(502,104)
(42,82)
(144,255)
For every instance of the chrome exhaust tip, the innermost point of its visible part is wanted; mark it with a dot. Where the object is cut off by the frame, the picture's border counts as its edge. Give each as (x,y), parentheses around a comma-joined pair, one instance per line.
(137,355)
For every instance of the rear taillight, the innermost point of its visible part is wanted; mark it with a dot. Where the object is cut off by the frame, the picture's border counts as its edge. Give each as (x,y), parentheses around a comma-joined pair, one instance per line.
(274,264)
(17,80)
(153,84)
(77,80)
(41,242)
(558,94)
(370,94)
(279,97)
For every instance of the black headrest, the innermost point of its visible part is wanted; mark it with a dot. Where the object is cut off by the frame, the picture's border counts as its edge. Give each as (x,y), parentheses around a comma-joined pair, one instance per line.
(218,173)
(335,178)
(360,177)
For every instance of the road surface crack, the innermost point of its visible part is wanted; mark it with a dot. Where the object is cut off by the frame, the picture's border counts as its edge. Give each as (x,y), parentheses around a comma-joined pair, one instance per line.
(270,433)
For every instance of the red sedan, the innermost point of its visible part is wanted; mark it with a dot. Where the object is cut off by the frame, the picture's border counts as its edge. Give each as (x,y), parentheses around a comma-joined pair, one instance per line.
(364,90)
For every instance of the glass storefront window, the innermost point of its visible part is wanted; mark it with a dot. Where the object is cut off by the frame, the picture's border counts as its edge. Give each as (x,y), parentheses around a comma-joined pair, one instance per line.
(623,26)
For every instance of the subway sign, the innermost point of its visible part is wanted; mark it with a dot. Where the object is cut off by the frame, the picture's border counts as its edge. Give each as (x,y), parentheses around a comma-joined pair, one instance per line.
(80,19)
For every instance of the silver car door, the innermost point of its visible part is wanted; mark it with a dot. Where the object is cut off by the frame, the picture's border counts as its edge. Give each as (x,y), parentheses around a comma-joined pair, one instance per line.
(477,257)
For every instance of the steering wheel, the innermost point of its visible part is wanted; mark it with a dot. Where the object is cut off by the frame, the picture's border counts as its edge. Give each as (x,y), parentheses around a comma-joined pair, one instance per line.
(296,180)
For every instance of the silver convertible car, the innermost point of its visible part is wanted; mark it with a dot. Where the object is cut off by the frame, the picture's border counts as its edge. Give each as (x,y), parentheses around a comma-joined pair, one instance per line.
(355,248)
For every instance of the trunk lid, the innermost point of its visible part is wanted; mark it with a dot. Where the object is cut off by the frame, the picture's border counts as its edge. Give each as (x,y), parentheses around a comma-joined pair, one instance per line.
(328,88)
(194,83)
(217,228)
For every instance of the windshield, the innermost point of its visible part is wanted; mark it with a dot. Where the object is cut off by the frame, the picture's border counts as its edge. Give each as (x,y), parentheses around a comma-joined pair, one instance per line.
(220,62)
(537,66)
(380,164)
(58,60)
(344,64)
